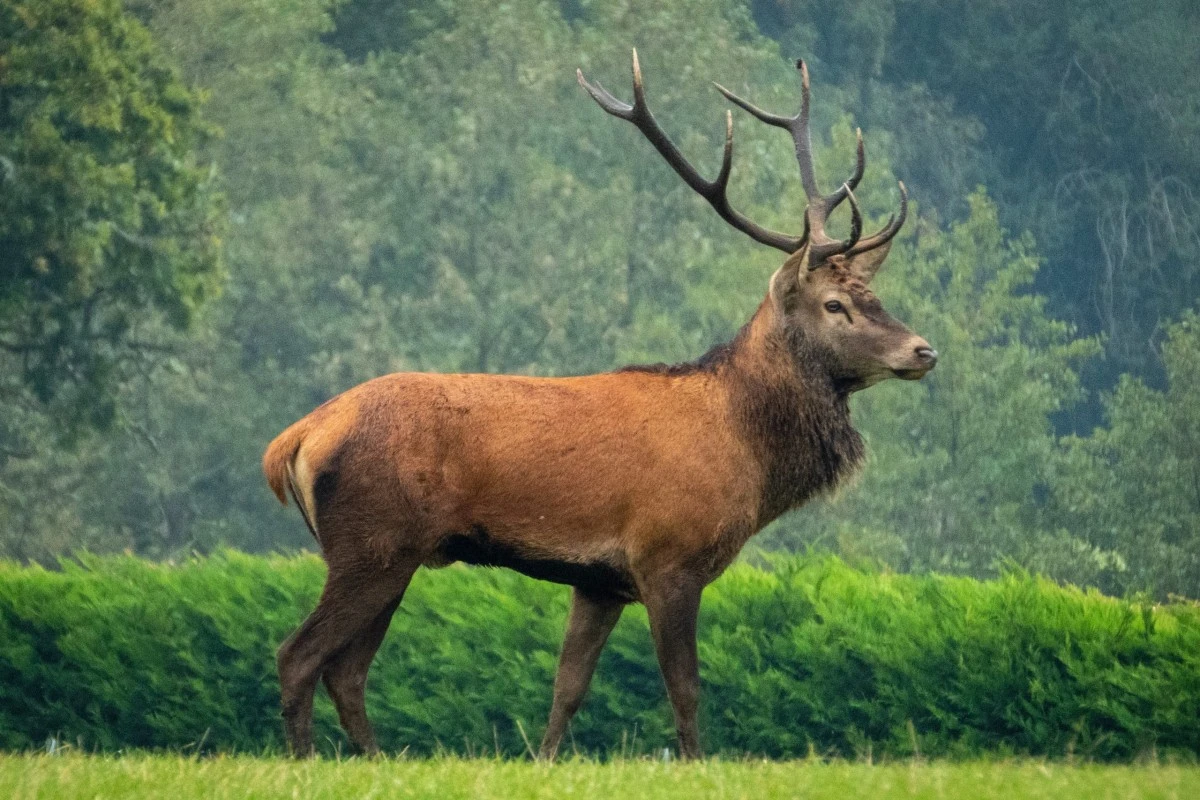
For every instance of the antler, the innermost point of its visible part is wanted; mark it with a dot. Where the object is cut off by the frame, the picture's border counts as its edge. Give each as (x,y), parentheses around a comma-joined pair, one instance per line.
(713,191)
(821,246)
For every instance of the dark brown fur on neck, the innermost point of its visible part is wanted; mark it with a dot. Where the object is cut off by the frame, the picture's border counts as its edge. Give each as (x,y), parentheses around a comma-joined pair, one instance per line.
(791,410)
(799,424)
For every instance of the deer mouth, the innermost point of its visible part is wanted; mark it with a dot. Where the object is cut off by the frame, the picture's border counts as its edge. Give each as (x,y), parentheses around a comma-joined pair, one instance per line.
(912,374)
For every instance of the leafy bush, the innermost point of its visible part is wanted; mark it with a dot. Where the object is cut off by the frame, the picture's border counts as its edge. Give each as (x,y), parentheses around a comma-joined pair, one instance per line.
(810,655)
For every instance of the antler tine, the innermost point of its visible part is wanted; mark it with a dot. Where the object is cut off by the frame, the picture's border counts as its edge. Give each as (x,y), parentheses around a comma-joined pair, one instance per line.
(888,231)
(762,116)
(712,191)
(860,162)
(855,216)
(605,100)
(833,200)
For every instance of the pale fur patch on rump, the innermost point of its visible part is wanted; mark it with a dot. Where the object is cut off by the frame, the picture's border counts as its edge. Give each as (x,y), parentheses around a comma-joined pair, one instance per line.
(300,478)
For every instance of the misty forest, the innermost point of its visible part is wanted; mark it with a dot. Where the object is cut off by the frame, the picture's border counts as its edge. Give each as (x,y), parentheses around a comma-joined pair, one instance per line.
(217,214)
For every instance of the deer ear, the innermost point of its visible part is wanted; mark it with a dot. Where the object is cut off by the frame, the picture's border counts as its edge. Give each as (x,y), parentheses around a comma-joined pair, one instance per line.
(785,283)
(864,265)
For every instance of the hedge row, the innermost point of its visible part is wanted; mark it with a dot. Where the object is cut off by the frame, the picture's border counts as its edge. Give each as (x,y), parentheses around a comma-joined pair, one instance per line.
(809,656)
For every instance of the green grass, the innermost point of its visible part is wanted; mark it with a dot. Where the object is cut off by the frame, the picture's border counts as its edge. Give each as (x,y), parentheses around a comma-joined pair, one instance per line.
(182,778)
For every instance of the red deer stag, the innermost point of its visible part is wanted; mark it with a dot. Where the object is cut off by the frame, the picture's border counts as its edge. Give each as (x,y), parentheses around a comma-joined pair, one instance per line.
(639,485)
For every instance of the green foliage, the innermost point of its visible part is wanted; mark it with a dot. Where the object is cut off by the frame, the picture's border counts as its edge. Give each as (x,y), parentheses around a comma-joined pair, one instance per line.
(812,655)
(1133,487)
(1093,120)
(107,223)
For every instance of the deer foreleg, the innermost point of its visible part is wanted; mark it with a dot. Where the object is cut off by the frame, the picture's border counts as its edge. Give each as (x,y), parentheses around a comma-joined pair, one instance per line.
(673,606)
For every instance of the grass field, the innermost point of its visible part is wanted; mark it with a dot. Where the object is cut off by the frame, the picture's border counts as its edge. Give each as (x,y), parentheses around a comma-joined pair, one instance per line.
(182,778)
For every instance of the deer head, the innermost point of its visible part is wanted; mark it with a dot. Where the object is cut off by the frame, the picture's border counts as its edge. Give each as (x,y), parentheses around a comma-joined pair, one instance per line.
(820,296)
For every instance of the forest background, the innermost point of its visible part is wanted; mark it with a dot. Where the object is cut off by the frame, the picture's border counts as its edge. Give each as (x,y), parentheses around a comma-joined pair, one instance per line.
(216,214)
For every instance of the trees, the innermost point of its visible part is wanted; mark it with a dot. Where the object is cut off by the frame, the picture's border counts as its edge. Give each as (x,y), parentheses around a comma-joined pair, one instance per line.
(1133,486)
(1090,109)
(423,186)
(108,224)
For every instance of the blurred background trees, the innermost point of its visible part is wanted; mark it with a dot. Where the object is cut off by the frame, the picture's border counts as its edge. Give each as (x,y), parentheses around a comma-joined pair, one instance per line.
(108,224)
(217,214)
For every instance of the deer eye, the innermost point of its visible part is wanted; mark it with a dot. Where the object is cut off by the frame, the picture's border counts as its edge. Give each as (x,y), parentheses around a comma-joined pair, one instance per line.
(833,306)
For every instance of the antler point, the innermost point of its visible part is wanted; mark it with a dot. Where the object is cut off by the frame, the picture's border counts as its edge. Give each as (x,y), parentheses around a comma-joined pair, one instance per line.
(850,195)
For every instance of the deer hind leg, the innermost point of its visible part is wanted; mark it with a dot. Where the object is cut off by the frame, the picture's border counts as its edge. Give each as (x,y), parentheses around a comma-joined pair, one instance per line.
(592,620)
(346,680)
(352,601)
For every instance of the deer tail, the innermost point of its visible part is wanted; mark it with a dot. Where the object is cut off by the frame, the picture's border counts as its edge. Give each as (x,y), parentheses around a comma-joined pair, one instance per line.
(279,465)
(277,460)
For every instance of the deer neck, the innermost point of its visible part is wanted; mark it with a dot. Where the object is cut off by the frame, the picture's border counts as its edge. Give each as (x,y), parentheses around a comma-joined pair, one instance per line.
(787,407)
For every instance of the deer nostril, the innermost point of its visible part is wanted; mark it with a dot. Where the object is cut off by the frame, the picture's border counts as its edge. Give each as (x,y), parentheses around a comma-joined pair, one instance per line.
(927,354)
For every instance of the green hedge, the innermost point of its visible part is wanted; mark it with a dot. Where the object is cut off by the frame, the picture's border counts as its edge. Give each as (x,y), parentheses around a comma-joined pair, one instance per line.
(810,656)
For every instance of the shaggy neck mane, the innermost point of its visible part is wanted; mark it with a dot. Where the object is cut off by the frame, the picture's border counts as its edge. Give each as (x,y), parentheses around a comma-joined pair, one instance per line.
(710,362)
(791,411)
